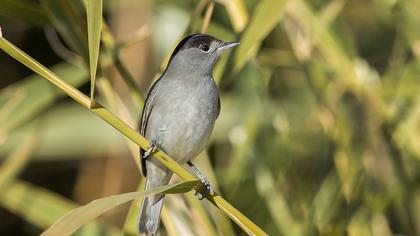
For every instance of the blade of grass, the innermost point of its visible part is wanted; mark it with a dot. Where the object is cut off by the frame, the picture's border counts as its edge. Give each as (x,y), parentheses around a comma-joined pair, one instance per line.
(22,100)
(69,24)
(247,225)
(17,160)
(130,224)
(276,203)
(170,224)
(237,13)
(115,48)
(27,11)
(94,25)
(207,17)
(266,16)
(42,207)
(326,202)
(222,223)
(73,220)
(201,215)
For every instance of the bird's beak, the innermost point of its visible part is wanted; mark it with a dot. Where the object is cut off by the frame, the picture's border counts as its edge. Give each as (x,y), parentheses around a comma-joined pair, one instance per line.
(227,45)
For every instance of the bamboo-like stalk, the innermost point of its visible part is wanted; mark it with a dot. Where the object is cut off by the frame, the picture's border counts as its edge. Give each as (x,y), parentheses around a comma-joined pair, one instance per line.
(207,17)
(246,224)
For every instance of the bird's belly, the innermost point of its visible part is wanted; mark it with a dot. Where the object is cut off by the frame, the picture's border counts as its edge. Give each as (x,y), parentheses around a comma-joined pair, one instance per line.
(183,129)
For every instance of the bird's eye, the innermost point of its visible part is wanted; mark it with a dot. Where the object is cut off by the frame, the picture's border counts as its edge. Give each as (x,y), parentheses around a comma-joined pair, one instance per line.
(204,47)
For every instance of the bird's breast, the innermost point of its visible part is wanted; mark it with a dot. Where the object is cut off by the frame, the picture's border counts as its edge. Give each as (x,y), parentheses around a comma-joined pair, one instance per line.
(183,118)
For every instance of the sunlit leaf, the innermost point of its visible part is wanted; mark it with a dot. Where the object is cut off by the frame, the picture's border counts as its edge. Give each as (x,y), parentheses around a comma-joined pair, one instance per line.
(15,162)
(59,140)
(237,13)
(94,23)
(25,99)
(70,222)
(41,207)
(66,19)
(266,16)
(276,203)
(27,11)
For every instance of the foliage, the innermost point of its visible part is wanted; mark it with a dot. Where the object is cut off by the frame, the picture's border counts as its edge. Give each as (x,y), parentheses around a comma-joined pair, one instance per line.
(318,133)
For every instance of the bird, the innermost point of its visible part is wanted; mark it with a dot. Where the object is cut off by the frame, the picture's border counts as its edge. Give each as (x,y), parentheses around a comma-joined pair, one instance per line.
(178,116)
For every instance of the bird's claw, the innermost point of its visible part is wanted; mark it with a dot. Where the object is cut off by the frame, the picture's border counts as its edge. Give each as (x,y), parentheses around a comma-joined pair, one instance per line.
(206,187)
(151,150)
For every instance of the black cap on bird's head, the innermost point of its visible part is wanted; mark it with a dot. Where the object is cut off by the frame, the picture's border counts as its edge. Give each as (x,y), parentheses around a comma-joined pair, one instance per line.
(199,48)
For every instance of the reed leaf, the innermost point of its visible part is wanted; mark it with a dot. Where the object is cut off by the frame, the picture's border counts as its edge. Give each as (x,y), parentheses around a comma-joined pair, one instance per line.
(23,100)
(26,11)
(266,16)
(42,207)
(94,24)
(74,219)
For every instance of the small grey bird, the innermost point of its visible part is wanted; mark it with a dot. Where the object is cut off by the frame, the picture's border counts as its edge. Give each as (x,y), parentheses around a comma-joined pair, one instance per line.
(178,116)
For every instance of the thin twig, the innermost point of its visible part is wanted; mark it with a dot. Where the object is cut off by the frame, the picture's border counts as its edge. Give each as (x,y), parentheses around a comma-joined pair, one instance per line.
(137,36)
(197,11)
(59,48)
(116,47)
(207,17)
(128,78)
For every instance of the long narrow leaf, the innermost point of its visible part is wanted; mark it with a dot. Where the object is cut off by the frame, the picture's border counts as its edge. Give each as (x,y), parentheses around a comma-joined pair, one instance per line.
(266,16)
(23,100)
(64,16)
(237,13)
(27,11)
(15,162)
(42,207)
(73,220)
(94,23)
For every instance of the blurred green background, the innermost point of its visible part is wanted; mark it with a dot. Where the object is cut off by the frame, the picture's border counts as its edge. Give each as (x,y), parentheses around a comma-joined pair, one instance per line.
(319,132)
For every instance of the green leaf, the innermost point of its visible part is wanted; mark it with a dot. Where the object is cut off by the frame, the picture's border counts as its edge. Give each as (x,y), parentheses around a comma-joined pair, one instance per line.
(27,11)
(70,222)
(65,17)
(23,100)
(15,162)
(37,67)
(41,207)
(237,13)
(266,16)
(276,201)
(94,23)
(59,140)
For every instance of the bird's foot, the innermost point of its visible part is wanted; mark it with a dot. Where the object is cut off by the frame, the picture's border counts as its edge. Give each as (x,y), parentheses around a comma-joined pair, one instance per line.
(205,187)
(151,150)
(208,190)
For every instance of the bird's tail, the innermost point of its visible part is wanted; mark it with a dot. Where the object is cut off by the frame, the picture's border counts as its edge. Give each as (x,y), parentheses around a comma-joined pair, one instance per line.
(151,208)
(150,215)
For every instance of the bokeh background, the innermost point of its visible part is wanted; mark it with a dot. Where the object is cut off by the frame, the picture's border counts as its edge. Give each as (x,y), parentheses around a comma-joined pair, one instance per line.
(319,132)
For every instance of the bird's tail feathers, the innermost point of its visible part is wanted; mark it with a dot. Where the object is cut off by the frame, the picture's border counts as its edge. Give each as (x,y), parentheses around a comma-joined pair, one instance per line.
(151,208)
(150,215)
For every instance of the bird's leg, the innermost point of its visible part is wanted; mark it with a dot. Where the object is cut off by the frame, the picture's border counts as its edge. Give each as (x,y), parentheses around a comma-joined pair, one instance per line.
(203,180)
(151,149)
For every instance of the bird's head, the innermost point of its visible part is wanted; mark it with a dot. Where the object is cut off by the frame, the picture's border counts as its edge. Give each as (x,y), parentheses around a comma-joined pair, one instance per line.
(199,51)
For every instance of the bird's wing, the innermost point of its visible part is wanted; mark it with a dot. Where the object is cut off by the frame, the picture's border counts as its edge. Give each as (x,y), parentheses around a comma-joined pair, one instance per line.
(147,110)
